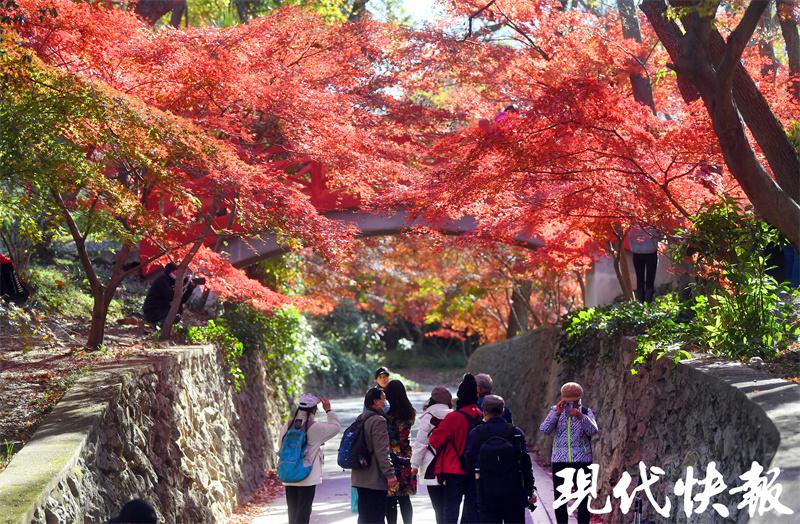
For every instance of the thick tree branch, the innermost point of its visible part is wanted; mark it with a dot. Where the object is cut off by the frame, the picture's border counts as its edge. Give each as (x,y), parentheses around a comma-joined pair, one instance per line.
(737,42)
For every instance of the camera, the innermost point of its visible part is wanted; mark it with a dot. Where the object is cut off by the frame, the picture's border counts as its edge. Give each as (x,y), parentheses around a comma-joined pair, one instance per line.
(198,281)
(531,506)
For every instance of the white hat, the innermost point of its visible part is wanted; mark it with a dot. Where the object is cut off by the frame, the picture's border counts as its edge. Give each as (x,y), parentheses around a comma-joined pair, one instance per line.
(308,401)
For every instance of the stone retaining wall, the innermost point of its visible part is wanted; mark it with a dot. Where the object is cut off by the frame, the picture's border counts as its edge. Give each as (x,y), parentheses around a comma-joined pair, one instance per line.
(162,425)
(668,415)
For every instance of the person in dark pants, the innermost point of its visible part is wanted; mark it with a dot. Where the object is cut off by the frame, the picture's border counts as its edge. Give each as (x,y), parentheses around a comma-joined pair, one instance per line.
(400,419)
(644,246)
(574,425)
(449,439)
(300,494)
(497,453)
(159,296)
(374,481)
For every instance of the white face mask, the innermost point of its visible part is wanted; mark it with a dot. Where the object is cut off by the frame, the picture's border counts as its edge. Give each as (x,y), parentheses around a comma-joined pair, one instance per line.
(386,406)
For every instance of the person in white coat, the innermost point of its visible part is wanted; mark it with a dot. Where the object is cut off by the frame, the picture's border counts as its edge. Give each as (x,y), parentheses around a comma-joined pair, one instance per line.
(435,409)
(300,495)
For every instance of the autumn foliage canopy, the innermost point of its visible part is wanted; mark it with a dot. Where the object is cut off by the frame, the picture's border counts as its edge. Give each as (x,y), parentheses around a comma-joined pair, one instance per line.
(201,133)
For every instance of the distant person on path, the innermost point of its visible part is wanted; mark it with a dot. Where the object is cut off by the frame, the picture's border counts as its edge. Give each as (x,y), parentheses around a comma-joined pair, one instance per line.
(497,453)
(435,410)
(574,425)
(643,242)
(136,511)
(159,296)
(300,495)
(379,477)
(382,377)
(400,418)
(485,387)
(449,440)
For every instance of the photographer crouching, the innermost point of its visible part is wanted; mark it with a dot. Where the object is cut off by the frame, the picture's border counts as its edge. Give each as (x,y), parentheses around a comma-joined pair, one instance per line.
(159,296)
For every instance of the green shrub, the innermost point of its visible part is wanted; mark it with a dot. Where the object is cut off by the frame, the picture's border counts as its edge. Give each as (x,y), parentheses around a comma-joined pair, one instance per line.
(740,309)
(59,290)
(217,332)
(735,309)
(344,373)
(285,339)
(659,325)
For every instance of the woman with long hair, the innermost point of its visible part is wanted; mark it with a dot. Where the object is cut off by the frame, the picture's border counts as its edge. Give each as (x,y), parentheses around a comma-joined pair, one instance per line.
(400,418)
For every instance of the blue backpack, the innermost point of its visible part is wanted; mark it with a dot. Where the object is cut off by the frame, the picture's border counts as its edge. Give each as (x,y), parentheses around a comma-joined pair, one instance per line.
(353,451)
(291,468)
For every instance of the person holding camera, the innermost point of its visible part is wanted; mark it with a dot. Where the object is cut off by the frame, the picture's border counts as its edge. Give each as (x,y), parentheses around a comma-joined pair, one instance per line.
(159,296)
(497,453)
(574,425)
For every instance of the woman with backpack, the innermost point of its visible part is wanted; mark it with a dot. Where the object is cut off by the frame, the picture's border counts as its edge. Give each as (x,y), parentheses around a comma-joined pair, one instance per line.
(449,439)
(400,418)
(574,425)
(300,457)
(435,410)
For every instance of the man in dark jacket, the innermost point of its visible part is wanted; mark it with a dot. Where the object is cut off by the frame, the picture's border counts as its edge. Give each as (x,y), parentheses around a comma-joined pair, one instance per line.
(485,387)
(159,296)
(505,483)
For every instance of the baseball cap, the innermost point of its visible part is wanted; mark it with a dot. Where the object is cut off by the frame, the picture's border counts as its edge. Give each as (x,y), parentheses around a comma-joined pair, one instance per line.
(308,401)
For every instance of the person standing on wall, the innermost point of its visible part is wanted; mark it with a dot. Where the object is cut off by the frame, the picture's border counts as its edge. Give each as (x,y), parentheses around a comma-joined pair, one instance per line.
(400,418)
(422,458)
(497,453)
(378,478)
(574,425)
(643,241)
(300,494)
(449,440)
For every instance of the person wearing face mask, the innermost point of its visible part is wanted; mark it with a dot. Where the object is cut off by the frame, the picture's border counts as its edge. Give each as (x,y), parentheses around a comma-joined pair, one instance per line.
(374,481)
(574,425)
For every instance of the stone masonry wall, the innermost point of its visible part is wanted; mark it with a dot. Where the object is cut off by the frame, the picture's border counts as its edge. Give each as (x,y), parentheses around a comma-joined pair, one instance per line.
(667,415)
(164,425)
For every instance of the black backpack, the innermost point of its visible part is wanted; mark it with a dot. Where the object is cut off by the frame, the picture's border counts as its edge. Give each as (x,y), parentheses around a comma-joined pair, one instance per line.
(353,450)
(500,469)
(472,423)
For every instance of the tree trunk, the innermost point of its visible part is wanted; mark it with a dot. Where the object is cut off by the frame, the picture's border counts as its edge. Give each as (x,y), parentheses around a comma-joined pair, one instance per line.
(699,57)
(765,47)
(621,269)
(642,91)
(791,39)
(520,306)
(358,10)
(177,296)
(582,284)
(99,316)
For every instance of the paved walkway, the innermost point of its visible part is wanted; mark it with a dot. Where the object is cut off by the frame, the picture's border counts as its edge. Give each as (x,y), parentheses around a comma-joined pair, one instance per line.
(332,501)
